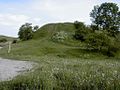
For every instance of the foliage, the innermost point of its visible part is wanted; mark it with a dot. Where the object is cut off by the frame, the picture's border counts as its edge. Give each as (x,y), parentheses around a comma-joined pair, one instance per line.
(81,31)
(35,28)
(77,24)
(68,74)
(113,47)
(14,41)
(60,36)
(3,40)
(25,32)
(106,16)
(94,27)
(61,66)
(102,42)
(97,41)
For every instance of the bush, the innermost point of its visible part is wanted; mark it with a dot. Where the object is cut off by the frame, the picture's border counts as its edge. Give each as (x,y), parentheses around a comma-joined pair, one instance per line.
(113,47)
(3,40)
(14,41)
(77,24)
(97,41)
(100,41)
(60,36)
(81,31)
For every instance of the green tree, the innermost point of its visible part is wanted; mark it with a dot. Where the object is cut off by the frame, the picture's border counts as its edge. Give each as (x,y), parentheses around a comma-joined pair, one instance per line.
(94,27)
(77,24)
(107,17)
(81,30)
(100,41)
(97,41)
(35,28)
(25,32)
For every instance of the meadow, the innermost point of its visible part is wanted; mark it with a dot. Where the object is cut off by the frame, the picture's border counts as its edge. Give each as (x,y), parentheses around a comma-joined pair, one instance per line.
(62,65)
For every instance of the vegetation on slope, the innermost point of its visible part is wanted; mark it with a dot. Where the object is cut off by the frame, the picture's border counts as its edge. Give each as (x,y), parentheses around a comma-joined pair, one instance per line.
(50,29)
(7,38)
(62,65)
(64,61)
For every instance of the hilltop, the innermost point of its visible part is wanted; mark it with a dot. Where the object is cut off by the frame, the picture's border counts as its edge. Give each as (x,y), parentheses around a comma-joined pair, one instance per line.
(50,29)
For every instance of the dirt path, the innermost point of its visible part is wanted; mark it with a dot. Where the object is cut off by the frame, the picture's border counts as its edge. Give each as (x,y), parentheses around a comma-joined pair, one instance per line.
(11,68)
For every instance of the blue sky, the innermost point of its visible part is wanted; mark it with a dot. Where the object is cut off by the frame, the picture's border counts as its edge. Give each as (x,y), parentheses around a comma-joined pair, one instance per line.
(14,13)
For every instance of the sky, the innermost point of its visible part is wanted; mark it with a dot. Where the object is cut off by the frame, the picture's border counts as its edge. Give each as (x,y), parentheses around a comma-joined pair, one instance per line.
(14,13)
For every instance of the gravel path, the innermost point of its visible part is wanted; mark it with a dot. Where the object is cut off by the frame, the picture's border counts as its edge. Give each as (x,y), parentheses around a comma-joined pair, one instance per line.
(11,68)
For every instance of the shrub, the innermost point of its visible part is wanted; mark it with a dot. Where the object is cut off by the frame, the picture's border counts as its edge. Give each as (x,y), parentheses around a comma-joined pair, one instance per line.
(76,24)
(81,31)
(3,40)
(113,47)
(14,41)
(100,41)
(60,36)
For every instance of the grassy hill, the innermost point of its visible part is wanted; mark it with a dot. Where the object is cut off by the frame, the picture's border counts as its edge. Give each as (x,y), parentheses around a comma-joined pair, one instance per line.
(43,44)
(7,38)
(49,29)
(65,65)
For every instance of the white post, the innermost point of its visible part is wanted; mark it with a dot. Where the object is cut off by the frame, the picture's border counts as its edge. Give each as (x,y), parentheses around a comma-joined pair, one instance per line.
(9,47)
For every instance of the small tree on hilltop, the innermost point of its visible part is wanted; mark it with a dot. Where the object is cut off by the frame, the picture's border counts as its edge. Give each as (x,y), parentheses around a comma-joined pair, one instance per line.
(35,28)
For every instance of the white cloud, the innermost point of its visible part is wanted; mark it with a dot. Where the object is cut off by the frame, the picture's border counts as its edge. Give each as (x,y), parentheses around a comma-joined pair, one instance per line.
(41,12)
(67,10)
(12,20)
(10,23)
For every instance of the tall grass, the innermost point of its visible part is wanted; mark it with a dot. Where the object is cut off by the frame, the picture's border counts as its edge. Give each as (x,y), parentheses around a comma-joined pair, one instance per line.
(54,73)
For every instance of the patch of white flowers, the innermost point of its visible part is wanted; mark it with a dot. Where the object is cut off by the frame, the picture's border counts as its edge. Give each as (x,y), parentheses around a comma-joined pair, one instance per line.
(60,36)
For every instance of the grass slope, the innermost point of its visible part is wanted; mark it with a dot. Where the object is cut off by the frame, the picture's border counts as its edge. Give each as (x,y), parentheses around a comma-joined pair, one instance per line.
(7,38)
(62,66)
(49,29)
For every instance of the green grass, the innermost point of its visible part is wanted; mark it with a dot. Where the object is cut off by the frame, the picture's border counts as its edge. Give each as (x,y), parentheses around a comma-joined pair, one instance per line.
(68,74)
(62,65)
(7,38)
(48,30)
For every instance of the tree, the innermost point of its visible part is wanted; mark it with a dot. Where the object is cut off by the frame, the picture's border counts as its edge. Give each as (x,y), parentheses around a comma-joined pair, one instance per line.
(100,41)
(25,32)
(97,41)
(77,24)
(35,28)
(94,27)
(107,17)
(81,30)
